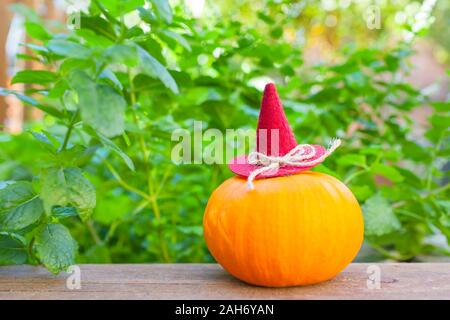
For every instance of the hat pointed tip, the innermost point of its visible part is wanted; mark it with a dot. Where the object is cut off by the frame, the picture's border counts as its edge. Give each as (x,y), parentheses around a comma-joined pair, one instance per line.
(270,85)
(271,117)
(270,97)
(270,89)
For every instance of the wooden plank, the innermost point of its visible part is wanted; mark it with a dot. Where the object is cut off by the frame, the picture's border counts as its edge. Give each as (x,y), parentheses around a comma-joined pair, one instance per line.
(210,281)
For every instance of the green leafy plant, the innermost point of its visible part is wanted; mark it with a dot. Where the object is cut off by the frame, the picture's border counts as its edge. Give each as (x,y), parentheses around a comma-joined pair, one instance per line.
(98,169)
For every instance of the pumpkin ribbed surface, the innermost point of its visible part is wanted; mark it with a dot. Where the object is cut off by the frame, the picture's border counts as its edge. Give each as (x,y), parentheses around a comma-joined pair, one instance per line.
(292,230)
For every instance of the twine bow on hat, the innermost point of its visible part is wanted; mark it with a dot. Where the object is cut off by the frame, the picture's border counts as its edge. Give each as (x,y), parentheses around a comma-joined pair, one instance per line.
(300,156)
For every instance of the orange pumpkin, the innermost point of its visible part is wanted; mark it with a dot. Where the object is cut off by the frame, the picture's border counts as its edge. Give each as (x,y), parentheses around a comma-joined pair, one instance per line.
(290,230)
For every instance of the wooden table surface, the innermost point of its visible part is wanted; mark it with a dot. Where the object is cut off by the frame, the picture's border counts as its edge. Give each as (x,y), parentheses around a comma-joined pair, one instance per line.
(210,281)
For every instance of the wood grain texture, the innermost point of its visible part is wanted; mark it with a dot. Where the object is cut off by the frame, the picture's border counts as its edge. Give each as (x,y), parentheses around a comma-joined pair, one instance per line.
(210,281)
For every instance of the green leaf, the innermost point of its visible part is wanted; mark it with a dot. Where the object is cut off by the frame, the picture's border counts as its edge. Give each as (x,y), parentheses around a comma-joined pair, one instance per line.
(28,57)
(276,32)
(440,106)
(5,183)
(101,106)
(64,212)
(356,80)
(261,15)
(440,127)
(30,101)
(113,207)
(324,169)
(76,156)
(34,76)
(377,150)
(44,141)
(379,218)
(70,99)
(120,7)
(440,121)
(36,48)
(68,48)
(121,53)
(112,146)
(12,249)
(154,69)
(362,192)
(67,188)
(70,64)
(104,110)
(37,31)
(146,15)
(445,204)
(96,254)
(163,10)
(94,39)
(28,13)
(98,25)
(191,230)
(108,76)
(387,171)
(59,88)
(352,160)
(55,247)
(20,207)
(177,37)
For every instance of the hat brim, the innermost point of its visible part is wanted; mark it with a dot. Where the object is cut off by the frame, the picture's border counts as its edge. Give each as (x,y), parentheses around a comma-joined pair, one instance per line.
(241,167)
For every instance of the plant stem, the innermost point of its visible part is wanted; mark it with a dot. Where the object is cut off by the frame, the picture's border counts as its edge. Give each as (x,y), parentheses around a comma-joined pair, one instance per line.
(66,138)
(157,212)
(69,130)
(442,228)
(386,253)
(430,170)
(100,70)
(116,223)
(93,232)
(145,152)
(437,191)
(111,231)
(354,175)
(425,196)
(124,184)
(411,214)
(30,249)
(163,181)
(150,187)
(106,13)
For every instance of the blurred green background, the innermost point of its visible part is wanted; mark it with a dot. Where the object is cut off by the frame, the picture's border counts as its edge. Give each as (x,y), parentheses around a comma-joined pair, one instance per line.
(89,177)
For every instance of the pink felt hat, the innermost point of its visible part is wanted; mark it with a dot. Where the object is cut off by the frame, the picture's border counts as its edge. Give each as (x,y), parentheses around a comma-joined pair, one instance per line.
(276,143)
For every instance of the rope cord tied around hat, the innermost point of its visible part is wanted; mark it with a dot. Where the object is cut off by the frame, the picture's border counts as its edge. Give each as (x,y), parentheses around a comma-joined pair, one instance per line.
(298,156)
